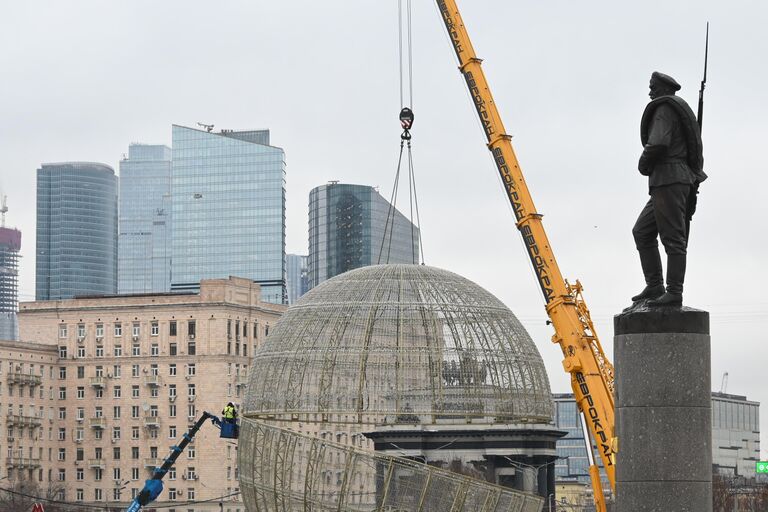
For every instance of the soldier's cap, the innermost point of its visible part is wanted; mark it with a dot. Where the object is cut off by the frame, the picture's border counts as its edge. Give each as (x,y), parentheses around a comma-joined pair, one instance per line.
(666,80)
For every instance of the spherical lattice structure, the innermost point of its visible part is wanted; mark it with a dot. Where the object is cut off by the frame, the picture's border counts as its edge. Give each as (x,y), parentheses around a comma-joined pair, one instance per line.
(399,343)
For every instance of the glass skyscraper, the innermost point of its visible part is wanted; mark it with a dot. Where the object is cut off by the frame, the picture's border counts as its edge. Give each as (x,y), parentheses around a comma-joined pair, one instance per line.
(298,277)
(347,230)
(228,209)
(76,230)
(144,236)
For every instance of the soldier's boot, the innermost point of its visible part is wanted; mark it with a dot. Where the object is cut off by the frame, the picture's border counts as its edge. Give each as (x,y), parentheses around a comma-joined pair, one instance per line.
(675,277)
(654,279)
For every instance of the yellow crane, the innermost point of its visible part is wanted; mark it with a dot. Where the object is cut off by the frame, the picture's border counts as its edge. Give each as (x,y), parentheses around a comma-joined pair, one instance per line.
(590,370)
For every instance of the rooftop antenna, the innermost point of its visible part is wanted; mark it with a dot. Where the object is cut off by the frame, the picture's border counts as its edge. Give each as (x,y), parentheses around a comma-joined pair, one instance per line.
(4,209)
(207,127)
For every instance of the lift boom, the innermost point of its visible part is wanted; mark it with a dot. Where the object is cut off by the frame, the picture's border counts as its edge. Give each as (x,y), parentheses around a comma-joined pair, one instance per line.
(591,372)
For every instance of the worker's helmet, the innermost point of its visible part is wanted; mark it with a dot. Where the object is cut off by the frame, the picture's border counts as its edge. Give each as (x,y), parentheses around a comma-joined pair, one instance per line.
(231,404)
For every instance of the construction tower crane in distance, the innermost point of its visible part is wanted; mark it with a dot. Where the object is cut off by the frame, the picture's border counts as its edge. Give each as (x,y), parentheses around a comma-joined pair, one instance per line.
(591,372)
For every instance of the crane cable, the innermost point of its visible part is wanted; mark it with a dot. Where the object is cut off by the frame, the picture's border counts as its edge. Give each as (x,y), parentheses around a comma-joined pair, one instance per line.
(405,54)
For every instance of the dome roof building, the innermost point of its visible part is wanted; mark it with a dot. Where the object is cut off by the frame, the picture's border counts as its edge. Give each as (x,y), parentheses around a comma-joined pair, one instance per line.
(387,341)
(385,353)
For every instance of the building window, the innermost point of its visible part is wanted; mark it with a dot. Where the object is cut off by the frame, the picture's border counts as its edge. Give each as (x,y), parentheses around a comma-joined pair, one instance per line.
(116,412)
(191,370)
(81,372)
(79,474)
(117,371)
(99,330)
(118,351)
(134,452)
(172,494)
(62,413)
(98,495)
(172,370)
(191,329)
(99,371)
(172,431)
(80,352)
(62,393)
(62,353)
(118,330)
(134,473)
(63,373)
(134,433)
(134,391)
(136,350)
(81,330)
(117,392)
(191,453)
(116,452)
(153,392)
(154,329)
(63,331)
(172,411)
(172,391)
(172,328)
(99,393)
(62,476)
(191,411)
(80,415)
(191,348)
(99,351)
(134,370)
(136,329)
(80,392)
(62,456)
(134,411)
(62,435)
(191,493)
(172,349)
(154,350)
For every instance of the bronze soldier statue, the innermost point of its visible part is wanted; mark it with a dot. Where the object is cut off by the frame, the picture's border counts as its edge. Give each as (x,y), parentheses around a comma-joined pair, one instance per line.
(673,161)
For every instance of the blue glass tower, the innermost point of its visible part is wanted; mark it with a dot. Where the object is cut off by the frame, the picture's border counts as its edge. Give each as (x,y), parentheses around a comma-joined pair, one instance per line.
(76,230)
(228,210)
(144,236)
(347,226)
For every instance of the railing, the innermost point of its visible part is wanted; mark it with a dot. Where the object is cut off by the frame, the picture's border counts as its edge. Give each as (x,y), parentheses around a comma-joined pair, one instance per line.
(22,462)
(152,380)
(153,462)
(23,421)
(24,379)
(151,421)
(98,422)
(98,382)
(97,463)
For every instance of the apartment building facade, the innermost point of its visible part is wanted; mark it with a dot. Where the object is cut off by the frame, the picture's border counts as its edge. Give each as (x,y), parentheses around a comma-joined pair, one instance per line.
(127,376)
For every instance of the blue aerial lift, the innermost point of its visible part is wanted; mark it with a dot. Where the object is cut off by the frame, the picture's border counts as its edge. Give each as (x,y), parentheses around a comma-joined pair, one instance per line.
(154,486)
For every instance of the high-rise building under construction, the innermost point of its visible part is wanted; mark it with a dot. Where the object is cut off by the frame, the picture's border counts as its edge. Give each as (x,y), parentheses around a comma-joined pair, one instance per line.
(353,226)
(10,245)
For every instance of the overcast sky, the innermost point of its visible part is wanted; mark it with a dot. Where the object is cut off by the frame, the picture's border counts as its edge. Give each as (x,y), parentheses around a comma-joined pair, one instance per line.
(83,79)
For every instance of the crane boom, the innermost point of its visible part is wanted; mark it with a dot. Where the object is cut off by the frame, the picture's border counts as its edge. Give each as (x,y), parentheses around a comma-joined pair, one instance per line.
(591,371)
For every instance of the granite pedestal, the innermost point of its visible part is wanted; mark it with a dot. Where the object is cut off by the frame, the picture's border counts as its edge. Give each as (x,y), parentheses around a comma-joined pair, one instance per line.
(663,410)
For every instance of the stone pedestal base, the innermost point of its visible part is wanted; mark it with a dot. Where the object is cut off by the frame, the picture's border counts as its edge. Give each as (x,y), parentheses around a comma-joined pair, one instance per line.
(663,410)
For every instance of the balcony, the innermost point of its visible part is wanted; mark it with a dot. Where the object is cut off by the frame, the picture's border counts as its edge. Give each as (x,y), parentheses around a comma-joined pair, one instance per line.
(24,379)
(153,462)
(99,422)
(98,382)
(152,380)
(151,421)
(23,463)
(97,463)
(23,421)
(241,380)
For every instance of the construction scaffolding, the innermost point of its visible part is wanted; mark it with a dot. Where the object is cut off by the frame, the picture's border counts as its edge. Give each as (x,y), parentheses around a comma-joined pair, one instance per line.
(288,471)
(392,344)
(10,245)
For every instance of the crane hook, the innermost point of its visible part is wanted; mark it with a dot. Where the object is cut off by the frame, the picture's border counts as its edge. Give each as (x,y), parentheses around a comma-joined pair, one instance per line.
(406,121)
